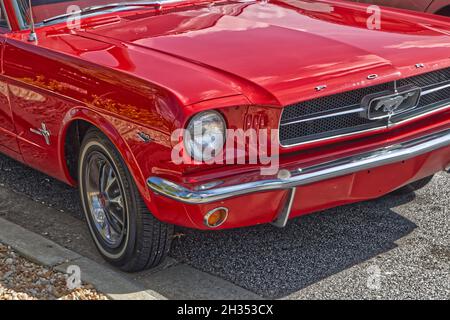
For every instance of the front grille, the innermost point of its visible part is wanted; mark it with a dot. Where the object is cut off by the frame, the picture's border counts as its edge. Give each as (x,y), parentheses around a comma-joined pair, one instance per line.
(331,103)
(427,79)
(339,114)
(434,97)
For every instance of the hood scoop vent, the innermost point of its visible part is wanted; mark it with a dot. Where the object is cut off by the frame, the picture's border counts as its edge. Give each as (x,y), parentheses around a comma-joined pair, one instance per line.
(101,22)
(139,16)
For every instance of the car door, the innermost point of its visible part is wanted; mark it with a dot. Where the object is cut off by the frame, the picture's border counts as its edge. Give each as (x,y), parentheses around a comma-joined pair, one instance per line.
(8,140)
(418,5)
(31,112)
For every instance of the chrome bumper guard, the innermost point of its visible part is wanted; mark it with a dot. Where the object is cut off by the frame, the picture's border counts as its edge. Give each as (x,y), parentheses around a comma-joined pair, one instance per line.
(327,170)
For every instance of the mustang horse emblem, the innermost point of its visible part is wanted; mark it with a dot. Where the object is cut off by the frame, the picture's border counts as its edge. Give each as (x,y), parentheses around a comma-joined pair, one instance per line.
(390,105)
(387,104)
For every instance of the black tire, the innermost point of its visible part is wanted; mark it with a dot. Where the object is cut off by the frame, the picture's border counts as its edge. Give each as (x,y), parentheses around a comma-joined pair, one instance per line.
(144,241)
(414,186)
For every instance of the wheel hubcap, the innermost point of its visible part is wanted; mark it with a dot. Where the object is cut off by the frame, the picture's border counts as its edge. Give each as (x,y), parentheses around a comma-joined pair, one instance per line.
(105,198)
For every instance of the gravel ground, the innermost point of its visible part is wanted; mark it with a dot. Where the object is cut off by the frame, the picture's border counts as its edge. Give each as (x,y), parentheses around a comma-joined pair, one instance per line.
(331,254)
(21,279)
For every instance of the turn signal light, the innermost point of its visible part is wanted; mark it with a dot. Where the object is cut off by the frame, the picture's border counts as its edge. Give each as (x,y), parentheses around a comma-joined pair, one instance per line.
(216,217)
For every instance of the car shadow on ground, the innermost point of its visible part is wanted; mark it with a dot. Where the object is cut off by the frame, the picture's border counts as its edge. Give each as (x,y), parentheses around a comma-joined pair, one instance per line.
(269,261)
(275,262)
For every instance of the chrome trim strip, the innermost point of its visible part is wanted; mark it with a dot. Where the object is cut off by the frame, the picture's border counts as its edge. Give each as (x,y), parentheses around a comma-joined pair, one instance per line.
(436,110)
(109,7)
(424,93)
(436,84)
(283,216)
(6,16)
(327,170)
(62,17)
(19,17)
(329,115)
(333,137)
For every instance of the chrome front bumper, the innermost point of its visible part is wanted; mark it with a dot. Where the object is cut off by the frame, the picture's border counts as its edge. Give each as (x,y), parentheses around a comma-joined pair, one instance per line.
(291,179)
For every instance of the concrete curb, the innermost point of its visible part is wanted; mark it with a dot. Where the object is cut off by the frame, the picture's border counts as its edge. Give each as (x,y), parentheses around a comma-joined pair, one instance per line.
(33,246)
(111,283)
(45,252)
(192,284)
(171,280)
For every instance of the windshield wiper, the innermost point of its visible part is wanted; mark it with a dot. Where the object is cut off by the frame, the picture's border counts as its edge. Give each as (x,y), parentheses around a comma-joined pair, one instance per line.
(156,4)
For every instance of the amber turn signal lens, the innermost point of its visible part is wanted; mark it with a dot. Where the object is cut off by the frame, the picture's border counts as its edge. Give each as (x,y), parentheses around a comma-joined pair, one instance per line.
(216,217)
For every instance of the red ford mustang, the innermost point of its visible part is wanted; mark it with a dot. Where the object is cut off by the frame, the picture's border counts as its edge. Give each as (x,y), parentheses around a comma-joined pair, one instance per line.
(123,101)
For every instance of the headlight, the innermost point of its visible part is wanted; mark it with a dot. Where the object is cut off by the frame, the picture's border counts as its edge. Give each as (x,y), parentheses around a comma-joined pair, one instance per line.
(205,135)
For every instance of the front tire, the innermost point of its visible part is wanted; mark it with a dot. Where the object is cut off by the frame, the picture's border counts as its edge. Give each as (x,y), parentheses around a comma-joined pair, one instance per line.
(125,233)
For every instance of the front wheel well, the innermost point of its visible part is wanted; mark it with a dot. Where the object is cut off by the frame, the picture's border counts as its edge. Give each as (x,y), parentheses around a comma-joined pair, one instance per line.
(74,137)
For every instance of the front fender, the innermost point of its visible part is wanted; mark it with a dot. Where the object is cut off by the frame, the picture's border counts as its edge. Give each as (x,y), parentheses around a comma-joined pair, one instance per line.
(153,157)
(119,132)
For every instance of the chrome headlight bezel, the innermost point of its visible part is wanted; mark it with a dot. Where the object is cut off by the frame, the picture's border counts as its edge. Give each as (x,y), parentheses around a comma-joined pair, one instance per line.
(204,136)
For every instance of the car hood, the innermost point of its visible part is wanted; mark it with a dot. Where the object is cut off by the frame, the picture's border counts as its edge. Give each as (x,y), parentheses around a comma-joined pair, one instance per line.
(285,49)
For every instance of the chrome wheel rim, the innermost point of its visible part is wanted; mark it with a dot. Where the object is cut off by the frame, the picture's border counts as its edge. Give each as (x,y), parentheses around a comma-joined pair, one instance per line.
(106,200)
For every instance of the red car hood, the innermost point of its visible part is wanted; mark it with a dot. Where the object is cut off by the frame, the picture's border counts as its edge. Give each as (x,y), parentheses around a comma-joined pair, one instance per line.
(287,48)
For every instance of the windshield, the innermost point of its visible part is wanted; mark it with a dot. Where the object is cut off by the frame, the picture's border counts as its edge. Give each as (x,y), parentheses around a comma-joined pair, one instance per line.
(44,10)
